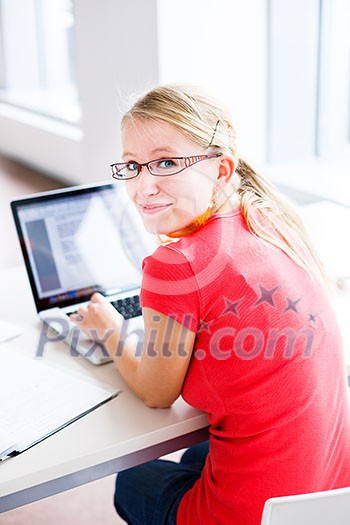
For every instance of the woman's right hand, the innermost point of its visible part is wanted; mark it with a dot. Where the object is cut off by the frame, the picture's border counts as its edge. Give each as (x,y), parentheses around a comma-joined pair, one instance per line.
(98,319)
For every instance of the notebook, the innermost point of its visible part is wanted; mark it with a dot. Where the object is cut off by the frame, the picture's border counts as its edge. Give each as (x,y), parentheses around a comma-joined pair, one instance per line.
(42,399)
(76,241)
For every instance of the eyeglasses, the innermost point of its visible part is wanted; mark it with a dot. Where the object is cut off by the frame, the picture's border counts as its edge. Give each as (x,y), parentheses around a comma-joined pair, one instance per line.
(159,168)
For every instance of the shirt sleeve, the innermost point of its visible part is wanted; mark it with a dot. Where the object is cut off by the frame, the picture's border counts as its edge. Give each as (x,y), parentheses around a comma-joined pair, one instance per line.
(170,287)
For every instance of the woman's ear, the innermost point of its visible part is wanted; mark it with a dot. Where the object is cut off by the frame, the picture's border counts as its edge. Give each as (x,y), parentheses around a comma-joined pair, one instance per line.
(226,169)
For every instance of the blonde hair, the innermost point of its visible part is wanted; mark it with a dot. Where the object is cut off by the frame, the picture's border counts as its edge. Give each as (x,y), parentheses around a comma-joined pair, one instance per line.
(198,116)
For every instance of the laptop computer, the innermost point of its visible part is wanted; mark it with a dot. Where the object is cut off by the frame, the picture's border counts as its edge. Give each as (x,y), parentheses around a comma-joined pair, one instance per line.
(76,241)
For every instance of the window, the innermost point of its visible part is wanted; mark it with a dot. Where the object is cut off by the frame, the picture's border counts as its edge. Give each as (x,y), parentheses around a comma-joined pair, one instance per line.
(50,50)
(308,80)
(38,57)
(308,85)
(333,140)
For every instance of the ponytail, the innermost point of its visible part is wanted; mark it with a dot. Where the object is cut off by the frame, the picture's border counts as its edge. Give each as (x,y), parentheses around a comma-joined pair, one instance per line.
(272,217)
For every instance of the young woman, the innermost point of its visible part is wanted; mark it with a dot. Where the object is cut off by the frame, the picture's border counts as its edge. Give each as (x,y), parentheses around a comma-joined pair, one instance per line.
(237,321)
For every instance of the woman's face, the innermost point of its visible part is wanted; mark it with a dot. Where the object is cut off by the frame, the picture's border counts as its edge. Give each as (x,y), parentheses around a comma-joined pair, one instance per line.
(167,204)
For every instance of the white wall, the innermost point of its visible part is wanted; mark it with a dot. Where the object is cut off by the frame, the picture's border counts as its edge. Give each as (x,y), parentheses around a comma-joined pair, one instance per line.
(230,60)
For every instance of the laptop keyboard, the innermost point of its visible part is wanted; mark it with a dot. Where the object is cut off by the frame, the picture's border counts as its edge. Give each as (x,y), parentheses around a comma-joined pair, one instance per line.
(129,306)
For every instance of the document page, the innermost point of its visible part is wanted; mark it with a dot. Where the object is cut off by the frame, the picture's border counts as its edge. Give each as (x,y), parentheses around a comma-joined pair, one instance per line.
(37,400)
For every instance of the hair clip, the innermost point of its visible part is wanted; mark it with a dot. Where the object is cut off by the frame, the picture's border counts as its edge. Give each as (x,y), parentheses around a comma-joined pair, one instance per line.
(216,127)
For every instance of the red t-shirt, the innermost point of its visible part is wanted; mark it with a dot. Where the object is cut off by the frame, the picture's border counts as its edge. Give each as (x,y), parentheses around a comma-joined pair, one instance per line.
(267,367)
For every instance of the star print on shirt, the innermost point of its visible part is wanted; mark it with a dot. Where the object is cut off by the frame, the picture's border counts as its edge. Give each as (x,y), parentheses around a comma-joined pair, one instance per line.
(266,295)
(231,307)
(204,327)
(292,305)
(312,317)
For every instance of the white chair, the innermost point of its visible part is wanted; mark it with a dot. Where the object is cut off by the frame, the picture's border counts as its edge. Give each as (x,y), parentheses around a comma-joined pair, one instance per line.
(331,507)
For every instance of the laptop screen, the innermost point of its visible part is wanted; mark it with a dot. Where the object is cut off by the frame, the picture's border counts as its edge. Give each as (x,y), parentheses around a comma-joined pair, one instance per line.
(79,240)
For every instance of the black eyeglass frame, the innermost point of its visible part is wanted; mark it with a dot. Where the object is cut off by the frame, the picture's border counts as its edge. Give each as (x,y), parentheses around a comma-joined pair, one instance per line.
(189,161)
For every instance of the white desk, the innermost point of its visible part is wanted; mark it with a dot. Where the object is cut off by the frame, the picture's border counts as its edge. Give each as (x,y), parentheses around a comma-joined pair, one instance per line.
(120,434)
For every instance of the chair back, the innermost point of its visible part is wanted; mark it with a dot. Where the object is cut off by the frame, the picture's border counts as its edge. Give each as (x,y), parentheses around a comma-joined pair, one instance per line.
(331,507)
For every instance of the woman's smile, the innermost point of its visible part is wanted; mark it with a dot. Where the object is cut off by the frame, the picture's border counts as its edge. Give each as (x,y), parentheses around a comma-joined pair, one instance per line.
(152,208)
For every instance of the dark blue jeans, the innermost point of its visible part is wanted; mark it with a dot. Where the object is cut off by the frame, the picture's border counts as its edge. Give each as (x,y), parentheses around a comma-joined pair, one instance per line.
(150,494)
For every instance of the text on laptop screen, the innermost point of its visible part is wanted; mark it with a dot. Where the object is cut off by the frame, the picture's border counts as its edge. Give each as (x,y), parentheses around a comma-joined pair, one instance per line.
(80,243)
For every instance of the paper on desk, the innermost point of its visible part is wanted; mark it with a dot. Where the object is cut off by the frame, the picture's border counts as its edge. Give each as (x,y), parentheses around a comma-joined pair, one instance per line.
(8,331)
(37,400)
